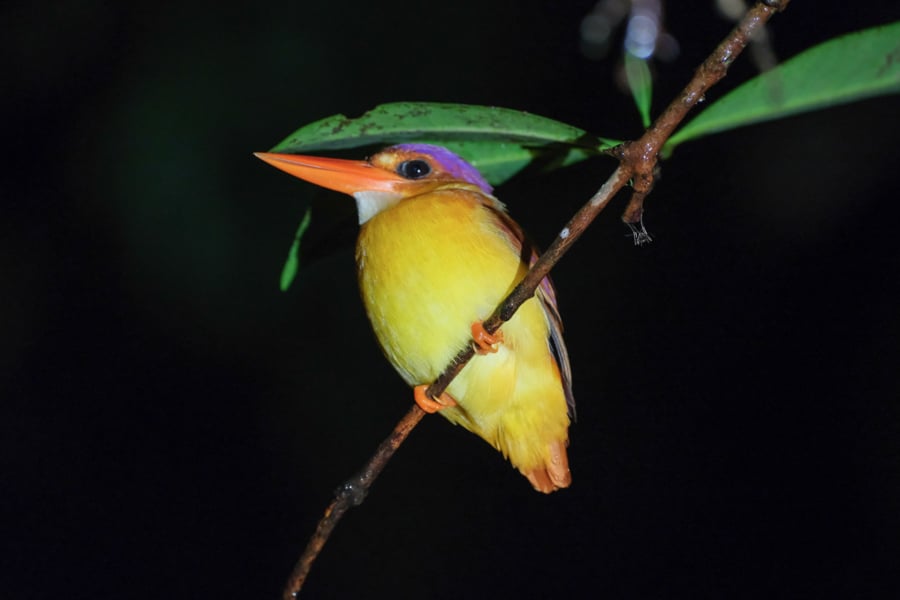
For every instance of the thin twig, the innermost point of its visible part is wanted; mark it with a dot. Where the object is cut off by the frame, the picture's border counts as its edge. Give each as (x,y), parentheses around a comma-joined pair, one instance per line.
(351,493)
(637,163)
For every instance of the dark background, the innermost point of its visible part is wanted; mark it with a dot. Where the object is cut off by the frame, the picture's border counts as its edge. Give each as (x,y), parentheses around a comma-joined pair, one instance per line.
(173,425)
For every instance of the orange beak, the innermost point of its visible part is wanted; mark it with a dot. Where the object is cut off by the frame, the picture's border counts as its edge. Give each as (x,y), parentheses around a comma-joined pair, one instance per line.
(347,176)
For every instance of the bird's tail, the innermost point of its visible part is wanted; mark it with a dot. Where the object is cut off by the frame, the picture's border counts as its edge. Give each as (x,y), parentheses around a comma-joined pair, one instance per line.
(554,473)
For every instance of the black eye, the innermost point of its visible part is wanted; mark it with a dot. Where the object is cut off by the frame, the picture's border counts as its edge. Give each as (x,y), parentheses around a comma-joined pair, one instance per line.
(413,169)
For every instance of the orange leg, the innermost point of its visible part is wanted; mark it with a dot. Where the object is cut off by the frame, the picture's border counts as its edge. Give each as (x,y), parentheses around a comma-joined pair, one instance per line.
(430,405)
(484,341)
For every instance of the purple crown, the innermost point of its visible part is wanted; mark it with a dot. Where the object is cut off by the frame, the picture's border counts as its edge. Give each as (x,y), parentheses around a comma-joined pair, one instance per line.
(449,162)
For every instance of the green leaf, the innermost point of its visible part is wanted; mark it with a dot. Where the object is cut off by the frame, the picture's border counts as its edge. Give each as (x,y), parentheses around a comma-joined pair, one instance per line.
(498,141)
(292,264)
(852,67)
(641,83)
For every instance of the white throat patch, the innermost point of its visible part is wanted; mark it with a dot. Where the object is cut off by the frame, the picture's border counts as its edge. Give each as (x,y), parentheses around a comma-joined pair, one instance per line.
(370,203)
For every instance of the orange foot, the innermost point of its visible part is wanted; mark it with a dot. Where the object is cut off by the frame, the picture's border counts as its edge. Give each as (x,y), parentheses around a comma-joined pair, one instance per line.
(484,341)
(429,404)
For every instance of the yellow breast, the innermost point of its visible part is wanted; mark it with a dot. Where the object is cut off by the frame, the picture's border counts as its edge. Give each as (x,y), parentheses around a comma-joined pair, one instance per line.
(428,268)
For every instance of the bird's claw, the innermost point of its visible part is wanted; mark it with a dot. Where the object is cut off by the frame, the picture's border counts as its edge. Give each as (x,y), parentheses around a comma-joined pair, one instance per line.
(429,404)
(485,342)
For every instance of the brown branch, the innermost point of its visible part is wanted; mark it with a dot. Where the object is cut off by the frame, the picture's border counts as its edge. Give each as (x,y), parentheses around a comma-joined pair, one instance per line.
(643,154)
(637,162)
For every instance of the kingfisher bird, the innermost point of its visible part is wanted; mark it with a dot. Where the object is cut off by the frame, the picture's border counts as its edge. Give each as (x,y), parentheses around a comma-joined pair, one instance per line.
(436,254)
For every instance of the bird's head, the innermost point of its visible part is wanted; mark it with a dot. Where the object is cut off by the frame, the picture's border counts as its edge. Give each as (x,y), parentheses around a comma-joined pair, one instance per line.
(384,179)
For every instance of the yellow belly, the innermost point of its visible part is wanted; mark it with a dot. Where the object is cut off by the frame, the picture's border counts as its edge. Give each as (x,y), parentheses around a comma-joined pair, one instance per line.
(428,268)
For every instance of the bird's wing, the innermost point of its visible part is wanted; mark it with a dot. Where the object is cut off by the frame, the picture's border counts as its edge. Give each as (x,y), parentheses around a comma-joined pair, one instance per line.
(546,293)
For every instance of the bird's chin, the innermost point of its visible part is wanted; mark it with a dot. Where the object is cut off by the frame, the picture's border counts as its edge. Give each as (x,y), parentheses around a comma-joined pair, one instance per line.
(370,203)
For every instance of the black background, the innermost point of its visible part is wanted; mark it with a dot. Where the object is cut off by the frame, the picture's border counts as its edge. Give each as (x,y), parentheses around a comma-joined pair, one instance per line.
(173,425)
